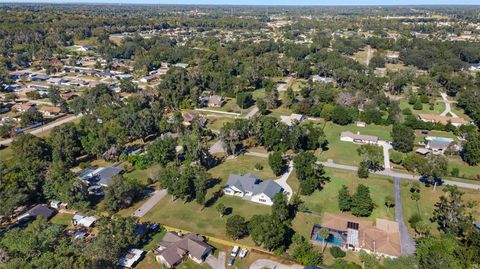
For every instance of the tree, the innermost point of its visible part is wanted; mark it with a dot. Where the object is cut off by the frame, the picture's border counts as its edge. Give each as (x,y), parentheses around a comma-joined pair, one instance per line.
(452,214)
(289,98)
(415,193)
(221,209)
(418,105)
(280,210)
(244,100)
(236,227)
(65,143)
(121,193)
(162,150)
(369,261)
(372,156)
(436,166)
(389,202)
(344,199)
(30,117)
(341,115)
(128,86)
(363,171)
(54,95)
(309,172)
(440,252)
(276,162)
(414,163)
(267,231)
(471,150)
(303,251)
(362,203)
(403,137)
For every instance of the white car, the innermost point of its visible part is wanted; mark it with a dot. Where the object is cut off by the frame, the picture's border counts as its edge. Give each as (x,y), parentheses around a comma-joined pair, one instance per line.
(235,251)
(243,253)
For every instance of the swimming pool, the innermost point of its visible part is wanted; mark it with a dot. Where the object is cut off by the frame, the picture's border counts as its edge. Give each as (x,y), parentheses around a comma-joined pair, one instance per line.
(439,139)
(338,241)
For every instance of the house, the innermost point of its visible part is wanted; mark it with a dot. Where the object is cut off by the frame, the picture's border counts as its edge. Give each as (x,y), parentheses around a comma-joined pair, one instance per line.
(173,248)
(146,79)
(57,81)
(58,205)
(105,175)
(361,124)
(39,210)
(348,136)
(216,101)
(455,121)
(132,257)
(181,65)
(475,67)
(50,110)
(68,96)
(39,77)
(84,48)
(293,119)
(23,107)
(393,57)
(381,239)
(422,151)
(322,79)
(84,221)
(252,188)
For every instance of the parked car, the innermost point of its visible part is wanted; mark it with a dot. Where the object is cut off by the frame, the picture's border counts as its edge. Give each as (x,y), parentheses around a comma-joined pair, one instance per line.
(231,261)
(235,251)
(243,253)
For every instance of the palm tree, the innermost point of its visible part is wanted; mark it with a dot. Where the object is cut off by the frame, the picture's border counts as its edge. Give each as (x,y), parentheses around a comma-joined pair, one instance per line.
(325,234)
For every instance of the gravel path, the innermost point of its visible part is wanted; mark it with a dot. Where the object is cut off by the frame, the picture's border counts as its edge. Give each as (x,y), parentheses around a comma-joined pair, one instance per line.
(407,244)
(150,203)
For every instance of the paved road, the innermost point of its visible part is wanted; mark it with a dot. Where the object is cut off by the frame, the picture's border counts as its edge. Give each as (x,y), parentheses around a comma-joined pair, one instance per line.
(150,203)
(264,263)
(391,173)
(44,128)
(252,113)
(218,112)
(407,245)
(448,108)
(217,263)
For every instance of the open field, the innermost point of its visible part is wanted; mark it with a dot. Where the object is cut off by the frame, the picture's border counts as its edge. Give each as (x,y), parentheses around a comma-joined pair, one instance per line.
(345,152)
(216,123)
(438,107)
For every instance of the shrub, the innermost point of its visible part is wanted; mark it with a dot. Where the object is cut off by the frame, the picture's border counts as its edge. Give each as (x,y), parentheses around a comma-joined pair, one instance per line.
(337,252)
(258,166)
(414,220)
(455,172)
(396,157)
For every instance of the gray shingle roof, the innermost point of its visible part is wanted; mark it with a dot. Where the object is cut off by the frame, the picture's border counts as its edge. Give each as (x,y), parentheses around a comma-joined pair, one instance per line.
(245,183)
(105,176)
(269,188)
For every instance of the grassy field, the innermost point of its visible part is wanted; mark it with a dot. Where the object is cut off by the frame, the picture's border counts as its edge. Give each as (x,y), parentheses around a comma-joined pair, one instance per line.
(345,152)
(326,200)
(62,218)
(438,107)
(216,123)
(6,153)
(428,198)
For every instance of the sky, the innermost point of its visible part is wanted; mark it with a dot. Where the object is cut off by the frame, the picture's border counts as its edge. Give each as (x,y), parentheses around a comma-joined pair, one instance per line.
(268,2)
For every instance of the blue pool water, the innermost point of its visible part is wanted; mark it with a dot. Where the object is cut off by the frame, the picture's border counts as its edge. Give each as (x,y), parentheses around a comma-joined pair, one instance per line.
(331,240)
(440,139)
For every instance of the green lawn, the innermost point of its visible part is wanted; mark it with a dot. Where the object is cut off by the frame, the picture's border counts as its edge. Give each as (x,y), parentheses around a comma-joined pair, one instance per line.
(216,123)
(345,152)
(143,175)
(439,107)
(466,171)
(6,153)
(326,200)
(241,165)
(62,218)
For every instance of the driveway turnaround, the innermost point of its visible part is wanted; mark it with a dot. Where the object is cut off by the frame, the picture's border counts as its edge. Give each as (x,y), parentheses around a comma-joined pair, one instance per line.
(264,263)
(282,181)
(448,108)
(407,245)
(150,203)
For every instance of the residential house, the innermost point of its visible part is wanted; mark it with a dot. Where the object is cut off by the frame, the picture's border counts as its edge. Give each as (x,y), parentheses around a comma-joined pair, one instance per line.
(57,81)
(101,176)
(322,79)
(393,57)
(455,121)
(146,79)
(58,205)
(50,110)
(361,124)
(68,96)
(358,138)
(475,67)
(39,77)
(216,101)
(84,221)
(132,257)
(252,188)
(182,65)
(293,119)
(173,248)
(39,210)
(23,107)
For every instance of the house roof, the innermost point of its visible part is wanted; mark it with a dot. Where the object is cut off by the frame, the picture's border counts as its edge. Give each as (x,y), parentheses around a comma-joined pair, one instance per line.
(50,109)
(442,119)
(174,246)
(290,120)
(132,256)
(41,210)
(438,144)
(245,183)
(105,175)
(215,99)
(359,136)
(269,188)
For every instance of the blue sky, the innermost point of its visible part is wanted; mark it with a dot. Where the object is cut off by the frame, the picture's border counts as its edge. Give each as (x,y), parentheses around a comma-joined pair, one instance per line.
(269,2)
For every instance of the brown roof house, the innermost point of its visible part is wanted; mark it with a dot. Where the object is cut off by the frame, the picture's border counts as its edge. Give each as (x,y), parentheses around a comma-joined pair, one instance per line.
(456,121)
(174,248)
(50,110)
(23,107)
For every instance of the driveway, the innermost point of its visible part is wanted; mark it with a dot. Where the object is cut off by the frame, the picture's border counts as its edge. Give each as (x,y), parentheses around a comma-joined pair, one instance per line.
(407,245)
(252,113)
(264,263)
(282,181)
(44,128)
(150,203)
(217,263)
(283,86)
(391,173)
(217,147)
(448,108)
(386,153)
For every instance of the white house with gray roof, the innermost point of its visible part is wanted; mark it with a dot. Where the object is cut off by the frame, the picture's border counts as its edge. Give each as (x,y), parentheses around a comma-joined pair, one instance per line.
(252,188)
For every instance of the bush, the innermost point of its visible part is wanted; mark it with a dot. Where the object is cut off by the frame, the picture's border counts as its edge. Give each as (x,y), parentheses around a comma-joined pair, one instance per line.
(407,111)
(396,157)
(418,105)
(414,220)
(258,166)
(83,165)
(337,252)
(363,170)
(455,172)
